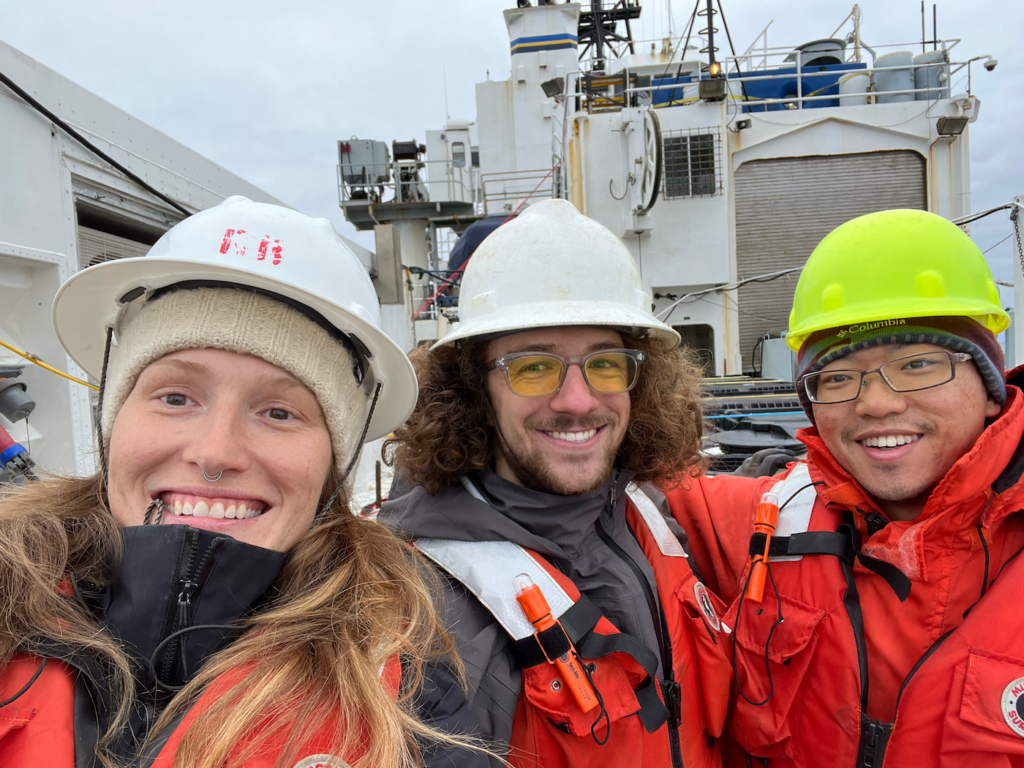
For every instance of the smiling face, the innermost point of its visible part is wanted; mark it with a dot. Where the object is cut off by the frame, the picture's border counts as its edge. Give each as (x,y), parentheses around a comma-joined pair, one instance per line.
(899,445)
(563,443)
(210,410)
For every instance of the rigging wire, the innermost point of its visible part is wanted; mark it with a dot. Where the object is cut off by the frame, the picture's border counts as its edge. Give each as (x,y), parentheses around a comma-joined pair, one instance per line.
(765,278)
(982,214)
(998,244)
(89,145)
(33,359)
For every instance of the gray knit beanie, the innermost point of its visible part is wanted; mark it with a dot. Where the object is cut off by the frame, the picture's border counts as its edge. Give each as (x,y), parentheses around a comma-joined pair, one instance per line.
(252,324)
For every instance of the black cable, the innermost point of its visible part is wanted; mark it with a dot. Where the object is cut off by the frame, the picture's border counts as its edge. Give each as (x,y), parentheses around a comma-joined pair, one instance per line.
(89,145)
(679,67)
(984,545)
(24,688)
(771,632)
(152,664)
(984,583)
(735,61)
(99,407)
(1012,557)
(588,671)
(757,370)
(968,219)
(352,462)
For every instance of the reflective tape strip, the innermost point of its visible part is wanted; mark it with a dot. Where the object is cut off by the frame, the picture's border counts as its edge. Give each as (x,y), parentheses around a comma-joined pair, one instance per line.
(488,569)
(656,524)
(795,516)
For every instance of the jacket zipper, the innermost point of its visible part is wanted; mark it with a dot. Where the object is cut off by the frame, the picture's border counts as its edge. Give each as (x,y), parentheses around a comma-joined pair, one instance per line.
(183,609)
(670,688)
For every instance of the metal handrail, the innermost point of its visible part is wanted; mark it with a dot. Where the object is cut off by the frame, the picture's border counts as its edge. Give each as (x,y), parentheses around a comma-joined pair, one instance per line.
(508,196)
(801,77)
(454,182)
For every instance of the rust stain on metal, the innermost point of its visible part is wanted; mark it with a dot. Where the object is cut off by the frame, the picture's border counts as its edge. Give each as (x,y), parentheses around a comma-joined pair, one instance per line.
(575,168)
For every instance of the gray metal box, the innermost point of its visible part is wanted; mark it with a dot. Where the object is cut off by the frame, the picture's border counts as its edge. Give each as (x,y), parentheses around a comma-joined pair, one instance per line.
(778,361)
(364,162)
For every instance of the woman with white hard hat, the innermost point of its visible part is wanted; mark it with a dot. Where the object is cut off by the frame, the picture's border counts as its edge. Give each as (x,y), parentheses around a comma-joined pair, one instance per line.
(207,599)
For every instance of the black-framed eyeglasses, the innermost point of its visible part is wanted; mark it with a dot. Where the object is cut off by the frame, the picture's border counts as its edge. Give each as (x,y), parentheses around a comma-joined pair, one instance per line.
(537,374)
(904,374)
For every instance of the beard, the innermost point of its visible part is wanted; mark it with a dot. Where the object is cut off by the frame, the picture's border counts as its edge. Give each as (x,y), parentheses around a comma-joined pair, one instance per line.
(533,471)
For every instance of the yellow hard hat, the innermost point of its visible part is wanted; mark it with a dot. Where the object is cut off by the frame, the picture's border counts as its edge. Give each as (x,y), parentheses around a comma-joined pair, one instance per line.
(894,264)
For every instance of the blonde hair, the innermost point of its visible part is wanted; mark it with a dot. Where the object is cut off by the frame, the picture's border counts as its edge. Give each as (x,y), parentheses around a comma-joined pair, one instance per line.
(350,598)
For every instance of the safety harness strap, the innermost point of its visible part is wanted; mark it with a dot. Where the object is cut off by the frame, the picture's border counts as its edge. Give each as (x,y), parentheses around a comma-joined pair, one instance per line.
(843,544)
(576,626)
(653,713)
(811,543)
(576,622)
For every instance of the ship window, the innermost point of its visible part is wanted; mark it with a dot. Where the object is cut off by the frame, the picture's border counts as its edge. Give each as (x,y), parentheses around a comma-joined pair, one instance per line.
(474,156)
(691,163)
(458,154)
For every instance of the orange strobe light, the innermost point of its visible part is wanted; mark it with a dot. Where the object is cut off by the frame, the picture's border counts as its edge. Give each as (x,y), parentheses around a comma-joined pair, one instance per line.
(765,520)
(569,666)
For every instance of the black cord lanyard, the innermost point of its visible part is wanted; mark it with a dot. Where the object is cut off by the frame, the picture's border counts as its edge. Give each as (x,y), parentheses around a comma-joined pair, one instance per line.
(771,632)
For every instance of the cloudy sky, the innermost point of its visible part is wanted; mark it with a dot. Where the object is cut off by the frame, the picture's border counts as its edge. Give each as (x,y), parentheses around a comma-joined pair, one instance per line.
(266,88)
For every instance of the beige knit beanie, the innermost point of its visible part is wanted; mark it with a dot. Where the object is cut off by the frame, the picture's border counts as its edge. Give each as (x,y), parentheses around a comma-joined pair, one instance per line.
(252,324)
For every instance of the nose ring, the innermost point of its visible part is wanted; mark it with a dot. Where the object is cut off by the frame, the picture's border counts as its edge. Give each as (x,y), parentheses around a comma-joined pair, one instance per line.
(214,478)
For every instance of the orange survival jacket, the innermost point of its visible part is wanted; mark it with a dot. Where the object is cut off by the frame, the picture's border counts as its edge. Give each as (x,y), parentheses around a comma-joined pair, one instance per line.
(549,730)
(852,675)
(38,728)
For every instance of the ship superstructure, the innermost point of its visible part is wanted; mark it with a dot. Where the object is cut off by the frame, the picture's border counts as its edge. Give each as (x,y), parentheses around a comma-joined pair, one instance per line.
(720,172)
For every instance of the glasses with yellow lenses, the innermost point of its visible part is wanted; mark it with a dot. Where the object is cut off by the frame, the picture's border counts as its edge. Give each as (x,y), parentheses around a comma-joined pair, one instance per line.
(537,374)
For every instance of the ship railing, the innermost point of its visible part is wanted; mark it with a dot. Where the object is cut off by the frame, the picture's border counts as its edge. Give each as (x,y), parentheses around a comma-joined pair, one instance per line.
(771,57)
(434,290)
(503,192)
(623,89)
(760,55)
(403,181)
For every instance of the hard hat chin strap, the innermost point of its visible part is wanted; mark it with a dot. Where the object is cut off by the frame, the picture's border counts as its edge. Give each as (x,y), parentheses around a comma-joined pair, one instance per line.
(99,408)
(325,507)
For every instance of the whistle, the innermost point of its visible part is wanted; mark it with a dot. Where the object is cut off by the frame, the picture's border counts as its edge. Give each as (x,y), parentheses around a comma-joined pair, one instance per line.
(765,519)
(569,666)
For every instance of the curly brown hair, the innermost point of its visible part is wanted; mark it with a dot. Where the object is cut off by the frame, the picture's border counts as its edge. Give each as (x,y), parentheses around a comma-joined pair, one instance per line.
(450,435)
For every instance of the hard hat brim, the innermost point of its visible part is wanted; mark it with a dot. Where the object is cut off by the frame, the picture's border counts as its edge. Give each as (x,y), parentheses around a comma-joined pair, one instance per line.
(88,303)
(552,314)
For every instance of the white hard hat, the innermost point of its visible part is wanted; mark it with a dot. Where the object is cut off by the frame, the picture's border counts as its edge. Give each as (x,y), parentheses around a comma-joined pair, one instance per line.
(552,266)
(300,260)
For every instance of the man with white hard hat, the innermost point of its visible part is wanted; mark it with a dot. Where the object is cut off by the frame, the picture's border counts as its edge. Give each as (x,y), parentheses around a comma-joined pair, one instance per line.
(527,474)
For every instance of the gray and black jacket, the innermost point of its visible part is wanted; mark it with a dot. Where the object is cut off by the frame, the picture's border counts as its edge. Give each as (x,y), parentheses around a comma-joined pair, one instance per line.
(562,529)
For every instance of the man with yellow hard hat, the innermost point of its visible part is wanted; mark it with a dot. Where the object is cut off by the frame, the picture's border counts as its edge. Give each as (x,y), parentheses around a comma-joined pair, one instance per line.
(876,587)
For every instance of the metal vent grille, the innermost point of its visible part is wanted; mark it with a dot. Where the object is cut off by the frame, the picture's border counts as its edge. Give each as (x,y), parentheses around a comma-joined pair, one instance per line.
(784,207)
(692,163)
(95,247)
